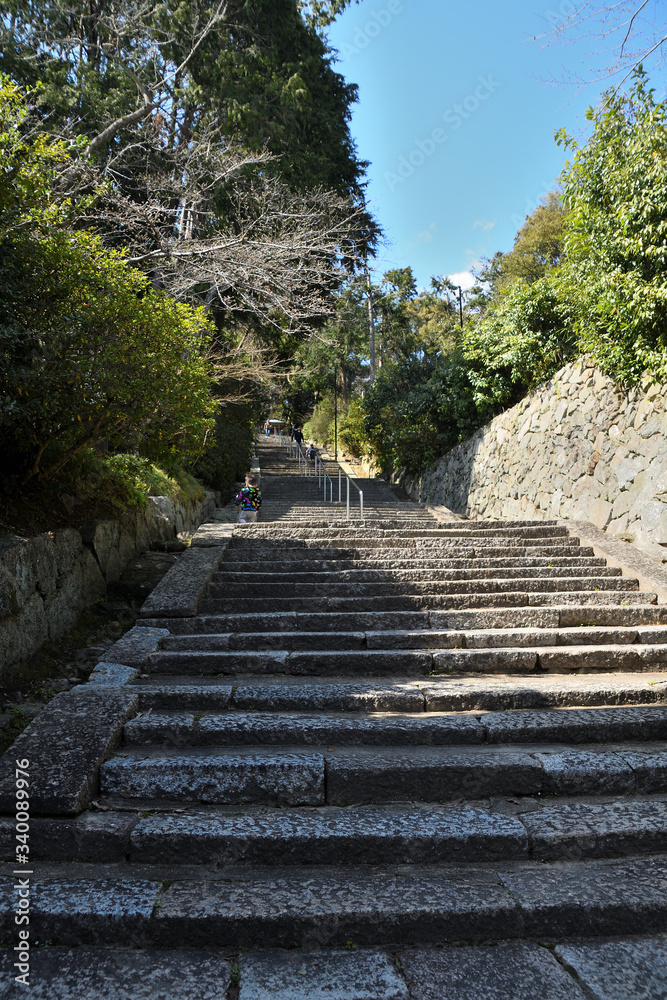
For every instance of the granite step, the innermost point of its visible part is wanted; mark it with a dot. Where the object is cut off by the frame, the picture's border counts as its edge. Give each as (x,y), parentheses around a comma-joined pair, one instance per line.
(431,638)
(409,551)
(454,532)
(600,597)
(484,619)
(292,775)
(554,659)
(558,971)
(359,835)
(411,662)
(488,693)
(331,564)
(255,728)
(287,907)
(356,662)
(368,835)
(229,576)
(341,585)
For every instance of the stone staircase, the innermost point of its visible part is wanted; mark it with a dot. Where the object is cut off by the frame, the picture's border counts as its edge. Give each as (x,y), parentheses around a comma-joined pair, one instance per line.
(386,734)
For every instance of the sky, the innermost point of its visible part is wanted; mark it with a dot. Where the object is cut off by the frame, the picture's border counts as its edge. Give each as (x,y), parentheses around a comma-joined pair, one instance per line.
(457,115)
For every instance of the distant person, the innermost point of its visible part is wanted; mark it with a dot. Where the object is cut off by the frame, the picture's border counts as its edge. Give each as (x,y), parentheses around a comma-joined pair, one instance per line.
(267,428)
(249,500)
(298,436)
(311,454)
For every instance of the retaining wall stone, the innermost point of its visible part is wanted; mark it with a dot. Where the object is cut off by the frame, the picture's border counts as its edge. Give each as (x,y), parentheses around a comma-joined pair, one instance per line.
(47,581)
(578,448)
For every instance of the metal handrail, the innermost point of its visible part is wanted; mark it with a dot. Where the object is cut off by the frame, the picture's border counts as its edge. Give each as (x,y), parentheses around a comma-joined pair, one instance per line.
(324,480)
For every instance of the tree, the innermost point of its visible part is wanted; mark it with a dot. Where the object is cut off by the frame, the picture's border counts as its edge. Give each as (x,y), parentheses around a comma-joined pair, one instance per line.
(222,133)
(435,315)
(89,352)
(538,249)
(394,328)
(614,279)
(631,31)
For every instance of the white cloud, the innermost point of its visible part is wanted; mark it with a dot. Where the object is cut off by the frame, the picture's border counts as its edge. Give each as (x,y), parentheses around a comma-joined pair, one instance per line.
(486,227)
(463,278)
(426,236)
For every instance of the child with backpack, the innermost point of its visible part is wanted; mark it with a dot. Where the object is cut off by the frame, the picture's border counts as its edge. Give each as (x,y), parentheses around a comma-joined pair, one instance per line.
(249,500)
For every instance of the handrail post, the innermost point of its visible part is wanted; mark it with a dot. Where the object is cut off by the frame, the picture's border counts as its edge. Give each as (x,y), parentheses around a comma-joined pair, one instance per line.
(361,505)
(348,497)
(339,484)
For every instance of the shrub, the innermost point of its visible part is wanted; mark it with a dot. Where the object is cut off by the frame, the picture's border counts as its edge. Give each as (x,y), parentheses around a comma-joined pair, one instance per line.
(89,353)
(615,275)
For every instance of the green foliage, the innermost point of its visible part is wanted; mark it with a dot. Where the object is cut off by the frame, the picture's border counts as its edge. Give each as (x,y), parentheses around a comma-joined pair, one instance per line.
(228,451)
(264,75)
(417,408)
(538,246)
(615,275)
(30,163)
(352,429)
(320,427)
(519,343)
(142,479)
(89,353)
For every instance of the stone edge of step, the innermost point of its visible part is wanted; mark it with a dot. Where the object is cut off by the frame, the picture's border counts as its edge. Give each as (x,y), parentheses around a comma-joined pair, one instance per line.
(495,902)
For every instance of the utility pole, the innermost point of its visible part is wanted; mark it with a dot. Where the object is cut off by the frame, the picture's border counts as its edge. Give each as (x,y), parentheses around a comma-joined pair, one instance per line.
(371,324)
(460,305)
(335,414)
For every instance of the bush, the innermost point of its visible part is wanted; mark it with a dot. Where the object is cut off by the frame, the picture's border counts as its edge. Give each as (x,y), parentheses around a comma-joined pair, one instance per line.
(520,342)
(89,353)
(320,427)
(352,429)
(615,274)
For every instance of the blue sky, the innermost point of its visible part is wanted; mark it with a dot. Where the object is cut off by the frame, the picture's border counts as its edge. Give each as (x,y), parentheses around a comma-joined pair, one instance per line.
(457,117)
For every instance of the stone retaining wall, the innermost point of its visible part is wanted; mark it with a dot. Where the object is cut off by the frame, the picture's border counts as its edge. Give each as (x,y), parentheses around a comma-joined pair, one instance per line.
(47,581)
(577,448)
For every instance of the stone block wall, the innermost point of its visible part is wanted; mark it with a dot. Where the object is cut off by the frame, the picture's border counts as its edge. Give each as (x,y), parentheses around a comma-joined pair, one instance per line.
(577,448)
(47,581)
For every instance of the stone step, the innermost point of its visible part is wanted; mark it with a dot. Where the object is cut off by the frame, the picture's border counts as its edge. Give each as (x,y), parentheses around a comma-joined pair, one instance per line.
(347,907)
(411,662)
(558,971)
(228,575)
(369,835)
(541,584)
(410,551)
(290,776)
(334,563)
(455,601)
(477,527)
(357,662)
(480,692)
(239,728)
(554,659)
(354,530)
(541,617)
(418,639)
